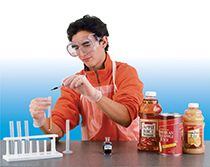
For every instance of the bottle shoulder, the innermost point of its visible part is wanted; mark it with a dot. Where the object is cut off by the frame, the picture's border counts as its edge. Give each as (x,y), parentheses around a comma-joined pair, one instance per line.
(193,115)
(150,106)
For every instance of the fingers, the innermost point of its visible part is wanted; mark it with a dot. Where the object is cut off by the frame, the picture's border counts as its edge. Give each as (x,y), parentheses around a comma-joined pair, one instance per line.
(38,106)
(67,81)
(73,81)
(36,114)
(64,79)
(40,103)
(77,81)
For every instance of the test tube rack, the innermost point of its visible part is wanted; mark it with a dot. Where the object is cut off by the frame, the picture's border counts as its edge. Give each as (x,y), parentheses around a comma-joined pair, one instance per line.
(23,156)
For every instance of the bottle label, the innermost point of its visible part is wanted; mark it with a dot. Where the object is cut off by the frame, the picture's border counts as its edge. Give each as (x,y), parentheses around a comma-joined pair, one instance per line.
(148,127)
(107,147)
(170,133)
(193,136)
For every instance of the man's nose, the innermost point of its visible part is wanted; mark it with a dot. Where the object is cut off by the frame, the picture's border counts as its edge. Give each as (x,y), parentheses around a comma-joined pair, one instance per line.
(82,53)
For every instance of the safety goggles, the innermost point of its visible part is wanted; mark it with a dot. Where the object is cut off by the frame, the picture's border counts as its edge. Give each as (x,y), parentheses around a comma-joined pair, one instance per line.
(87,45)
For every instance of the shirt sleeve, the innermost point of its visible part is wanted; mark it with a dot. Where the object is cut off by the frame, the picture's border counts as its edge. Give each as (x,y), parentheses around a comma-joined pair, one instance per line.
(66,107)
(129,89)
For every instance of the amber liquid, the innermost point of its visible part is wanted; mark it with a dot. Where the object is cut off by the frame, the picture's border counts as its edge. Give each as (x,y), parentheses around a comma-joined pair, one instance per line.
(149,117)
(49,124)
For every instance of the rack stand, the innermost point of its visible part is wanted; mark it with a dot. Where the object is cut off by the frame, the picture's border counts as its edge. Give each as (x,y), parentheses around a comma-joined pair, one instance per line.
(22,155)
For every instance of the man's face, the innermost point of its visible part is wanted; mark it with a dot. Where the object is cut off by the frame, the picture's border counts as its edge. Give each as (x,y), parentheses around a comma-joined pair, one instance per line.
(93,60)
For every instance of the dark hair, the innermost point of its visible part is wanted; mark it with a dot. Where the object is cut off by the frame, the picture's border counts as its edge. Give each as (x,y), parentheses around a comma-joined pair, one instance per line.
(88,23)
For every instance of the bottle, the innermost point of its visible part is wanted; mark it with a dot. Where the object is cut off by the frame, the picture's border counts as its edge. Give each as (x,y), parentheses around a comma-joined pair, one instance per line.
(193,141)
(107,146)
(148,128)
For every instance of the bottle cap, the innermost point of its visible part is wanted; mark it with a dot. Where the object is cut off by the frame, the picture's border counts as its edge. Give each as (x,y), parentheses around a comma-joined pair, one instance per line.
(193,105)
(149,93)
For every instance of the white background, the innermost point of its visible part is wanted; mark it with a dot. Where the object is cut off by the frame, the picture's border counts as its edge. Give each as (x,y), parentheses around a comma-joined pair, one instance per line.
(168,42)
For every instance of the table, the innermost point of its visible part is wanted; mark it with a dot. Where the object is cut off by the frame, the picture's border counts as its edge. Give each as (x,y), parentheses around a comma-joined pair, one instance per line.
(125,153)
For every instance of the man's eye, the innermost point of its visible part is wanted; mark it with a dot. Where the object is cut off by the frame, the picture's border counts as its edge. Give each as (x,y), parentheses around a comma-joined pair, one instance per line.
(87,45)
(75,47)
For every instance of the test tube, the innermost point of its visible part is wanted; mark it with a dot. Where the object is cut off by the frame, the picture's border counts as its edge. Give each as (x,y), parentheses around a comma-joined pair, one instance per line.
(67,151)
(26,135)
(49,114)
(19,129)
(19,135)
(11,127)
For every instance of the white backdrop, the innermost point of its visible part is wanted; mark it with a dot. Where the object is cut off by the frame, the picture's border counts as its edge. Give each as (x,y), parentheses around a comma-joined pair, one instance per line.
(166,41)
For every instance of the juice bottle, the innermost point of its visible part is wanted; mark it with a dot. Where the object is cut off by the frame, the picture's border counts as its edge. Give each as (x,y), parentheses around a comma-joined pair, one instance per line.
(148,127)
(193,130)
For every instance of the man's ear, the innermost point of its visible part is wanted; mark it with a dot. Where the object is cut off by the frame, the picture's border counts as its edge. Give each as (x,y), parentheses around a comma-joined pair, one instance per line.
(104,42)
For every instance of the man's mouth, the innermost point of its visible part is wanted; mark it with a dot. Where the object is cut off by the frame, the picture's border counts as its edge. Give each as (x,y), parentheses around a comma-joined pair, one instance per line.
(86,59)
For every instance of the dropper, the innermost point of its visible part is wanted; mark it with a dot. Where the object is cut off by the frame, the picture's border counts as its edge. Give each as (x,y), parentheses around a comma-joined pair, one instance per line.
(57,87)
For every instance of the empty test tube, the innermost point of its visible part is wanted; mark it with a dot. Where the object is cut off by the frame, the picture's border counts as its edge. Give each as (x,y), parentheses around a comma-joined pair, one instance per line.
(49,114)
(11,127)
(19,135)
(19,129)
(67,151)
(26,128)
(26,135)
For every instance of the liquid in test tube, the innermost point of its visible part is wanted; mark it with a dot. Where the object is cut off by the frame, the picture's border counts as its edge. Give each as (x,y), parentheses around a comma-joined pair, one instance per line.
(49,114)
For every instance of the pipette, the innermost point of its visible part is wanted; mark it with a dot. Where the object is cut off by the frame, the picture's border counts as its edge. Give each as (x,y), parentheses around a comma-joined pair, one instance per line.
(49,114)
(63,85)
(56,87)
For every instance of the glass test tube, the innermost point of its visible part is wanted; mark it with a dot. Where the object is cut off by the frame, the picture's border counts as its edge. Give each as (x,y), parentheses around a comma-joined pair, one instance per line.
(67,151)
(26,135)
(19,135)
(49,114)
(11,128)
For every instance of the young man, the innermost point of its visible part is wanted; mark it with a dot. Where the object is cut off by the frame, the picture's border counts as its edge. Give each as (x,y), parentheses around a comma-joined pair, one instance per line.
(105,93)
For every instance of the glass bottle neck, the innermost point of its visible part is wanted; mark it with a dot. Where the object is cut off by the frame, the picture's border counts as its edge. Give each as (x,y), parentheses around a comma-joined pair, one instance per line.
(193,108)
(150,97)
(107,139)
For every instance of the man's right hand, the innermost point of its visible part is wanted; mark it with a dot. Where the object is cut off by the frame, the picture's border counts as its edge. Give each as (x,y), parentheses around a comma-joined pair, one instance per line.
(37,108)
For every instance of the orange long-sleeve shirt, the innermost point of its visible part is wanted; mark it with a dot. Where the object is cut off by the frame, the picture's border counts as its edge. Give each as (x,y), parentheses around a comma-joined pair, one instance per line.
(129,93)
